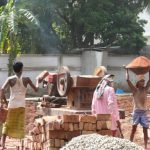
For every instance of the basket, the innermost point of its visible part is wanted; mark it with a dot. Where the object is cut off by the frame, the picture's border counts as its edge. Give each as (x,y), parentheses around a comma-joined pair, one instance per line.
(140,65)
(140,70)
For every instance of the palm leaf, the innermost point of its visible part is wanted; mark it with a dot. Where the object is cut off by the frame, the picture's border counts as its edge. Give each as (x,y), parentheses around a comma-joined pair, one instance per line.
(29,15)
(147,5)
(12,23)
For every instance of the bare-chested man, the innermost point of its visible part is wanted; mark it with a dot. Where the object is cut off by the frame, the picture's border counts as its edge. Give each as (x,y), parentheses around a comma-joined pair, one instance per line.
(139,111)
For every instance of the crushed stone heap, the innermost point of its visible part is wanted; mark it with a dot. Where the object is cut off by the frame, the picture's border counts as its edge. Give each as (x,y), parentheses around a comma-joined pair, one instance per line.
(99,142)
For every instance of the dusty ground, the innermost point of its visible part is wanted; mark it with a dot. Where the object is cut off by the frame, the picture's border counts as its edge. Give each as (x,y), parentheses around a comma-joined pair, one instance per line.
(126,128)
(11,144)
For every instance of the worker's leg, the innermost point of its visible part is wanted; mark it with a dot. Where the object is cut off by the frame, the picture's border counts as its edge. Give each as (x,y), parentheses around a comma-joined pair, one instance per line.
(134,127)
(145,132)
(114,133)
(3,140)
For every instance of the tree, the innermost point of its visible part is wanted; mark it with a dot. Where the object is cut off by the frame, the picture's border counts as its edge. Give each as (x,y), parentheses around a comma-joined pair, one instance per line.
(3,2)
(43,40)
(10,20)
(68,24)
(79,22)
(147,4)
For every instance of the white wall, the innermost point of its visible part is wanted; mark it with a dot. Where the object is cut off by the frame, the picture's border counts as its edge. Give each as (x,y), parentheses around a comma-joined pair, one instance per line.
(73,62)
(78,64)
(35,64)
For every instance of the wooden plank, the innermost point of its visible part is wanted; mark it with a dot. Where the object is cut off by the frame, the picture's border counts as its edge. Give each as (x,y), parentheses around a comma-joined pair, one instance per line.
(85,81)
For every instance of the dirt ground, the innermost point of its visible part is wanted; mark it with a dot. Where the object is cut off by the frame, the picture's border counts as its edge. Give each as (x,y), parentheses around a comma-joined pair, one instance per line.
(126,129)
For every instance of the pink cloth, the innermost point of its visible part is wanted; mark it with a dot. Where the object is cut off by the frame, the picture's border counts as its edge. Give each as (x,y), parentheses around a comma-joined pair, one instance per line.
(106,104)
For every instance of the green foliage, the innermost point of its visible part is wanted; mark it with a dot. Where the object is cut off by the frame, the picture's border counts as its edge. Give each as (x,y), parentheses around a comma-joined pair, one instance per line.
(66,24)
(42,39)
(147,4)
(10,19)
(79,22)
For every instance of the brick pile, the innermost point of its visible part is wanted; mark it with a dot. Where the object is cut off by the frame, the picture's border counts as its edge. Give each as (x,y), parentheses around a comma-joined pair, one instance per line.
(125,101)
(53,132)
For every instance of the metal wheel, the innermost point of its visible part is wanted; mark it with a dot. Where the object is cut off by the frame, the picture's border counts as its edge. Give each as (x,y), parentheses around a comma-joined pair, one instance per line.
(63,81)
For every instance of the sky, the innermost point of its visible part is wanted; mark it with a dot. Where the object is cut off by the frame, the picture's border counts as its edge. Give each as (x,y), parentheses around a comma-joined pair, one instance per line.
(146,16)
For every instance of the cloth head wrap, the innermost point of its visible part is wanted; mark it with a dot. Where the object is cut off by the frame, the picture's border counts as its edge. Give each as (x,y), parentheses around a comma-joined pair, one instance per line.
(102,84)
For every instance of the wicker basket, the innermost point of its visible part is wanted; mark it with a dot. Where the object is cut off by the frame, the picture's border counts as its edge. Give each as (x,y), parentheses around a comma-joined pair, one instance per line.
(139,65)
(140,70)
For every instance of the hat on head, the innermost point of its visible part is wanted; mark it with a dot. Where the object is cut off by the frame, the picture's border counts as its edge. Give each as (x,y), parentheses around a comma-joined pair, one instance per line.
(140,77)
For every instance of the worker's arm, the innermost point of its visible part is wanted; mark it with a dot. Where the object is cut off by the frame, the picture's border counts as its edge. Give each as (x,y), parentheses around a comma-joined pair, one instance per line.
(148,83)
(2,93)
(4,102)
(132,87)
(34,87)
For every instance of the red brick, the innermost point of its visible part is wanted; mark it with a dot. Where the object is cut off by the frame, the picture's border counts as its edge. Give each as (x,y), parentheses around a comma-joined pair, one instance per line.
(76,126)
(54,125)
(49,126)
(88,127)
(88,118)
(81,125)
(71,134)
(105,132)
(94,126)
(57,143)
(88,132)
(70,118)
(103,117)
(53,148)
(56,134)
(50,143)
(62,143)
(103,125)
(65,126)
(70,127)
(37,138)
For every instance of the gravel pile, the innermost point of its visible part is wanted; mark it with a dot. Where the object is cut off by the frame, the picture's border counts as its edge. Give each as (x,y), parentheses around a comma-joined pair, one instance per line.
(99,142)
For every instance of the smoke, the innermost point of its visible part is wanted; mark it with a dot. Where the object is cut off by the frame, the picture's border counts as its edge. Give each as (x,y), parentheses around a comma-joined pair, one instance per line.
(45,40)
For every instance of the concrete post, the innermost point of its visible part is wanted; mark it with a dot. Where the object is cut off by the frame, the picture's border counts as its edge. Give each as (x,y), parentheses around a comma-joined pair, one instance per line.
(91,60)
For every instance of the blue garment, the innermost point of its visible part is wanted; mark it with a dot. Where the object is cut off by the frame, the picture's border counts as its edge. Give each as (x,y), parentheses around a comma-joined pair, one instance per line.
(140,117)
(120,91)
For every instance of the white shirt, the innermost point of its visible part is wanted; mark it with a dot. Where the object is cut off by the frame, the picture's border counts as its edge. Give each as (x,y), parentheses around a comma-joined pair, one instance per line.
(17,94)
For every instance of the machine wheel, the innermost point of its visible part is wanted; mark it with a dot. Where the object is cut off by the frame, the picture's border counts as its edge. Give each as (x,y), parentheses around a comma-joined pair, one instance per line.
(63,81)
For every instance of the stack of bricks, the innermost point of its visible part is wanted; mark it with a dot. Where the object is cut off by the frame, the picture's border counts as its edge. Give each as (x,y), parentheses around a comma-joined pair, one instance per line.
(52,134)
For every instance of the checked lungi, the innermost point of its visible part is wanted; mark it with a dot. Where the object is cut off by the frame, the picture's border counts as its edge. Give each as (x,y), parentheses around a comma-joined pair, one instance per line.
(15,123)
